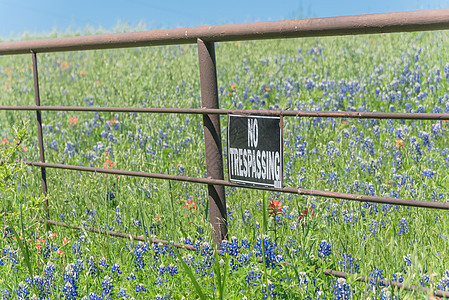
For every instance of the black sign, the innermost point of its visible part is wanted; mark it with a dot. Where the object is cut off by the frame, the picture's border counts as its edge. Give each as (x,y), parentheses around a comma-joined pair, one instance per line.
(255,150)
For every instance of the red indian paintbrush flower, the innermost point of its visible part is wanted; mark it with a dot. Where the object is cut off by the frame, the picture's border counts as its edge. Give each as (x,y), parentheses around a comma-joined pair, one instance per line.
(73,121)
(399,143)
(275,208)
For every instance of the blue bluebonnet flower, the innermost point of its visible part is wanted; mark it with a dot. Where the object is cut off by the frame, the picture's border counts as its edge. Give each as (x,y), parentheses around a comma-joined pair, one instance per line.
(140,288)
(159,297)
(139,251)
(70,275)
(247,216)
(41,286)
(70,291)
(93,296)
(103,265)
(11,257)
(424,280)
(49,272)
(121,294)
(407,260)
(270,291)
(403,226)
(385,294)
(54,145)
(92,266)
(106,286)
(131,276)
(77,249)
(231,247)
(272,258)
(251,277)
(70,149)
(172,269)
(350,217)
(348,263)
(303,279)
(398,277)
(22,291)
(341,289)
(428,173)
(6,294)
(116,269)
(118,215)
(376,278)
(324,249)
(443,283)
(372,228)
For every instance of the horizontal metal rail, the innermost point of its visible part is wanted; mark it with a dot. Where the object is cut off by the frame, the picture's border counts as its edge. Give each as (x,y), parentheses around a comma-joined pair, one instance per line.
(291,190)
(328,272)
(118,234)
(422,20)
(223,111)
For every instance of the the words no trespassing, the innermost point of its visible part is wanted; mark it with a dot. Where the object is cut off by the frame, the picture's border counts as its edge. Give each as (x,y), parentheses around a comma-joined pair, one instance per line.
(254,163)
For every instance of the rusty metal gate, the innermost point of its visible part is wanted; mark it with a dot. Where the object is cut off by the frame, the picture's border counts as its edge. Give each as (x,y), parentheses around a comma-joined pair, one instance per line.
(205,37)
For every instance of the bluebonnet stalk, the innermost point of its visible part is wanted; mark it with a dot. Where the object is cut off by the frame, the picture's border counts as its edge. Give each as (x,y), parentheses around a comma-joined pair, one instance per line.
(271,290)
(324,249)
(407,260)
(270,250)
(403,226)
(70,275)
(374,282)
(398,277)
(6,294)
(106,286)
(103,265)
(443,284)
(116,269)
(341,289)
(93,268)
(22,291)
(424,280)
(348,263)
(252,276)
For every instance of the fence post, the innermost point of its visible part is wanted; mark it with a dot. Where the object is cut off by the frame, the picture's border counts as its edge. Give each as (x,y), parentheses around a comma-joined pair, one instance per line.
(212,140)
(39,133)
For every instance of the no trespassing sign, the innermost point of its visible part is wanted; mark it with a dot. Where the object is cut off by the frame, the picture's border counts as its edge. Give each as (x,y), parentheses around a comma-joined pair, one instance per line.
(255,150)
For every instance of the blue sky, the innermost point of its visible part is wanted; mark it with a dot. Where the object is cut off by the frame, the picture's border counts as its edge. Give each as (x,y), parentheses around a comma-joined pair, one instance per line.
(43,16)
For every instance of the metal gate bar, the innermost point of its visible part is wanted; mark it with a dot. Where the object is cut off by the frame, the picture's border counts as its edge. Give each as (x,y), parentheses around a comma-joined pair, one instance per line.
(39,132)
(221,182)
(421,20)
(212,140)
(224,111)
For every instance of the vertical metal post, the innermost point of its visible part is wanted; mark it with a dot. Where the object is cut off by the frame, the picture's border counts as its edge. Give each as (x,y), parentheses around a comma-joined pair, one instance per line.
(39,132)
(212,140)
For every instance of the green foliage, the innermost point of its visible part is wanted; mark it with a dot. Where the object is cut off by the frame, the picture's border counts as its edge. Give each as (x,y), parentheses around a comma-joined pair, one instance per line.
(9,155)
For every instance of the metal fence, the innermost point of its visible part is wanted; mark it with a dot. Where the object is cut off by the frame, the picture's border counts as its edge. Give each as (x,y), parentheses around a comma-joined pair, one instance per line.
(205,37)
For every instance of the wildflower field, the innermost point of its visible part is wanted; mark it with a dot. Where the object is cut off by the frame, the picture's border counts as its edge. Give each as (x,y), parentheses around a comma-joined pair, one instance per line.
(278,244)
